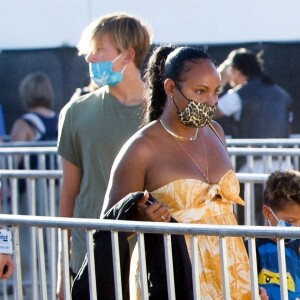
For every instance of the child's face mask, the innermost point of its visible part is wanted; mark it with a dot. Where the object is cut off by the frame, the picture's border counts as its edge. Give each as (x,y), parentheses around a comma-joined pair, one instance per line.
(281,223)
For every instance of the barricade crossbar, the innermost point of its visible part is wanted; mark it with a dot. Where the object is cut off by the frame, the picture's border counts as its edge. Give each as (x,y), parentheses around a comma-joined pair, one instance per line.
(167,229)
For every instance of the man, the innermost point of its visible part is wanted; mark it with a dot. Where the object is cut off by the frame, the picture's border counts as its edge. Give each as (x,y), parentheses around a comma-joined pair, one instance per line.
(94,127)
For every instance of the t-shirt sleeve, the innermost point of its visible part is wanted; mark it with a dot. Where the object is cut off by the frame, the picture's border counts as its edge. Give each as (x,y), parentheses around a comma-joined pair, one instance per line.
(230,104)
(67,143)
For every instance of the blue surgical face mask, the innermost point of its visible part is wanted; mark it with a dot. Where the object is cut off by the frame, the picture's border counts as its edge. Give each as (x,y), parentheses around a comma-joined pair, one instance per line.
(102,73)
(282,223)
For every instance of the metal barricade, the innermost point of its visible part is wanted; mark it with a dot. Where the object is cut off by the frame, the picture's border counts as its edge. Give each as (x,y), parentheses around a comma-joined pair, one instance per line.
(252,150)
(42,288)
(39,199)
(284,157)
(268,142)
(52,180)
(248,195)
(45,158)
(284,143)
(49,197)
(9,144)
(50,187)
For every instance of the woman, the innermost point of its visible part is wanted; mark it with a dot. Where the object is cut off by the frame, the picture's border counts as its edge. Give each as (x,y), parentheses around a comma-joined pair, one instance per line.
(40,121)
(181,158)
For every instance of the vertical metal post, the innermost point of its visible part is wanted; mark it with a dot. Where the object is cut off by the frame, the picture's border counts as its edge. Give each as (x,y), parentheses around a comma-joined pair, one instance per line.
(42,268)
(66,264)
(195,267)
(224,268)
(142,266)
(282,270)
(91,264)
(169,266)
(253,268)
(116,264)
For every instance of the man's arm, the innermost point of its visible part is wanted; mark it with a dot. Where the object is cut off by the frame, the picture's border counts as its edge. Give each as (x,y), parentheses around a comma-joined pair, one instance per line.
(70,189)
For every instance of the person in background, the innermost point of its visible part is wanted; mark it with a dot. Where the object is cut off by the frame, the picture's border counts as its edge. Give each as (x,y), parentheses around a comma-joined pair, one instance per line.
(2,125)
(6,261)
(94,127)
(180,158)
(260,108)
(255,108)
(89,88)
(6,266)
(40,122)
(281,207)
(2,136)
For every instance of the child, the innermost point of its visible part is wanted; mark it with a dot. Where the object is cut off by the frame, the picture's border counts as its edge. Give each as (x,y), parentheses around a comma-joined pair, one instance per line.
(281,208)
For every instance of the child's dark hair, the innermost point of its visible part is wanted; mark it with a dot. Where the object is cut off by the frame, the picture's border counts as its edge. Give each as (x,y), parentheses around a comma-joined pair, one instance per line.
(282,188)
(167,62)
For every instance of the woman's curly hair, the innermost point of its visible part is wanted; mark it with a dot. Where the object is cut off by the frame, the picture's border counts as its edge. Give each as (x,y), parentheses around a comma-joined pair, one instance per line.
(282,188)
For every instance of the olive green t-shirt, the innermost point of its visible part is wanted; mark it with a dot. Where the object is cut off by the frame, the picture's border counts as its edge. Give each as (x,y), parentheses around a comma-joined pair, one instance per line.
(95,127)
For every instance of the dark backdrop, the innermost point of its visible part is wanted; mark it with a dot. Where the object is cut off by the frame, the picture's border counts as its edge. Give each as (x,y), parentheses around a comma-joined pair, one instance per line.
(68,71)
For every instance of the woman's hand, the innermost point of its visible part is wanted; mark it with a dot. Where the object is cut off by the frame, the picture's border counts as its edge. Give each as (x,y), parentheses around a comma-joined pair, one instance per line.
(150,209)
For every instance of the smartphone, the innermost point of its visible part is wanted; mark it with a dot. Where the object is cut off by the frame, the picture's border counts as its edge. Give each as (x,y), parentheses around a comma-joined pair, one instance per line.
(150,200)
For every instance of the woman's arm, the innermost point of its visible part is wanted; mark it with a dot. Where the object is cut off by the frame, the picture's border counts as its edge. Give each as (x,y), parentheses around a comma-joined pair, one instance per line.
(128,175)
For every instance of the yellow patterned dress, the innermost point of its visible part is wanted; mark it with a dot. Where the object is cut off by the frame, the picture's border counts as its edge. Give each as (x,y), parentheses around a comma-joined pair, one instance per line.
(196,202)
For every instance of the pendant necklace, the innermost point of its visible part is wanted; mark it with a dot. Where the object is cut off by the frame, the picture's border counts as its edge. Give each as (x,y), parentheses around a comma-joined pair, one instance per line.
(179,137)
(204,151)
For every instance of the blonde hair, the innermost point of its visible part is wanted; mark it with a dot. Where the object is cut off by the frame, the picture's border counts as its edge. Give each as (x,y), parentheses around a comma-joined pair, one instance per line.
(36,90)
(125,32)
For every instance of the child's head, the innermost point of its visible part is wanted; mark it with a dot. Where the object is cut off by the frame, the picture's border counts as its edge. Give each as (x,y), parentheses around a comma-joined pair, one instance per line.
(282,198)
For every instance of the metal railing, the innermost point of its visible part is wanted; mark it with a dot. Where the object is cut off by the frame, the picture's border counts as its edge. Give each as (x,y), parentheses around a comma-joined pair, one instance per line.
(51,143)
(42,287)
(42,189)
(267,158)
(48,158)
(39,198)
(268,142)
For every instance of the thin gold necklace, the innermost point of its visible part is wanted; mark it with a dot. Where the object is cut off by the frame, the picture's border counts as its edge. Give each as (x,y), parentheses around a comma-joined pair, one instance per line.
(179,137)
(204,175)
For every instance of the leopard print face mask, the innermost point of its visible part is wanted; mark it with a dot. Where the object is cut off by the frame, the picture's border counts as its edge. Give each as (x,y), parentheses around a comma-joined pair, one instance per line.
(196,114)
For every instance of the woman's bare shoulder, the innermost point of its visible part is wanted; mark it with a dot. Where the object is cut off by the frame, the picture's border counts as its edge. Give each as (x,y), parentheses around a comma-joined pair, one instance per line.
(21,131)
(140,145)
(218,128)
